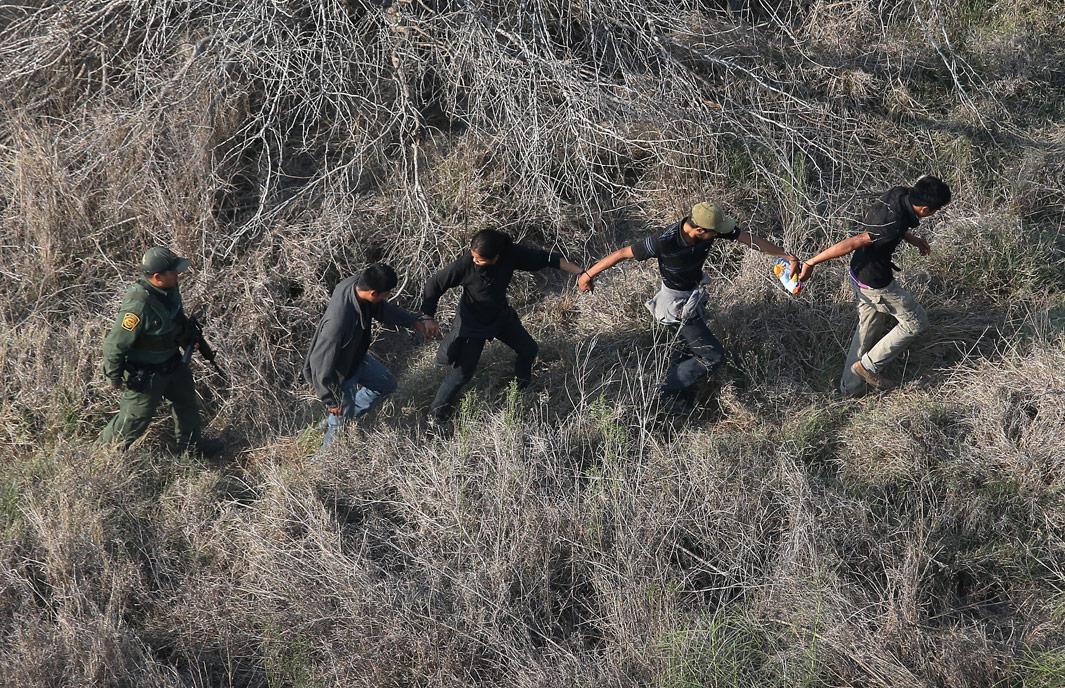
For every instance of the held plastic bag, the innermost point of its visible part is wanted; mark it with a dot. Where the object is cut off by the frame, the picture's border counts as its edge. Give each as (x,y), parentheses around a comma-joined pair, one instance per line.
(782,271)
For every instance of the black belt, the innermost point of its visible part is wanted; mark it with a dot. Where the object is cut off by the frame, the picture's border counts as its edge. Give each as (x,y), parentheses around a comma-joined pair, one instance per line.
(168,366)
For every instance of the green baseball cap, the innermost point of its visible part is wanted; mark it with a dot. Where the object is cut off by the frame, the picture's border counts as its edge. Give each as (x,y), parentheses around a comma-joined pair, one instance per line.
(709,216)
(161,259)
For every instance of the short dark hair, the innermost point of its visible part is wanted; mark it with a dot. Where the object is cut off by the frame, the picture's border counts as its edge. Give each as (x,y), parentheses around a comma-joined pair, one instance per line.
(378,277)
(489,243)
(930,191)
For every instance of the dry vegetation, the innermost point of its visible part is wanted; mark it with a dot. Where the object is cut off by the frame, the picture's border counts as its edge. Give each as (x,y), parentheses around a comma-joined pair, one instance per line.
(781,538)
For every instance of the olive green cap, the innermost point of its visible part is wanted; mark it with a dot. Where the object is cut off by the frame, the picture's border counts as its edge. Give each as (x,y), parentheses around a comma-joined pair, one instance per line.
(161,259)
(709,216)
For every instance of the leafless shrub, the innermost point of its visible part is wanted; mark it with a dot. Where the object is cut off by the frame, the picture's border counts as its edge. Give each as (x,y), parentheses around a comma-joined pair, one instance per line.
(781,537)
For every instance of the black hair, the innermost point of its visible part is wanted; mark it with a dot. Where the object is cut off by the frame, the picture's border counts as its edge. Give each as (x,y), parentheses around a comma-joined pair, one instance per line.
(378,277)
(489,243)
(930,191)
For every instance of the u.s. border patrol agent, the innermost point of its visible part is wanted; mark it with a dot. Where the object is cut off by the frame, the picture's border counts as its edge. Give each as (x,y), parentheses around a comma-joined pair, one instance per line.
(142,354)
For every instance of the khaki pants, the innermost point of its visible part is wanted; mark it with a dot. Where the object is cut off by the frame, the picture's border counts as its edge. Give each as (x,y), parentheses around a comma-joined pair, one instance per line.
(873,340)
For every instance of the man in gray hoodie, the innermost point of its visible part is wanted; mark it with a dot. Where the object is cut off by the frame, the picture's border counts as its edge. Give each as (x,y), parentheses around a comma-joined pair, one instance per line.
(348,380)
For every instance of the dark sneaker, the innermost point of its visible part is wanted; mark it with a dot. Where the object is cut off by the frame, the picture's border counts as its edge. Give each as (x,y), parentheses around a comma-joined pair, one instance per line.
(440,414)
(873,380)
(438,425)
(676,404)
(209,448)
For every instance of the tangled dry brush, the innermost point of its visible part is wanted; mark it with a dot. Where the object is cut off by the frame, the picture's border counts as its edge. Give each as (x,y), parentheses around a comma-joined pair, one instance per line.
(783,537)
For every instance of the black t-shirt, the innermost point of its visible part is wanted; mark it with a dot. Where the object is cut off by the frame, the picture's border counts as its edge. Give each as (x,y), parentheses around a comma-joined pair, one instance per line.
(887,221)
(679,263)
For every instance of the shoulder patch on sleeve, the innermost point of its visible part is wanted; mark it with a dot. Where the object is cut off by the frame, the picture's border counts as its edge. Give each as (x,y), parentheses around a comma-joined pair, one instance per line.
(130,321)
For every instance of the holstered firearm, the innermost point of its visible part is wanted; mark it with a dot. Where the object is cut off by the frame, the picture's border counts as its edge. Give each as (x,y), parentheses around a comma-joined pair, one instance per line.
(139,378)
(198,343)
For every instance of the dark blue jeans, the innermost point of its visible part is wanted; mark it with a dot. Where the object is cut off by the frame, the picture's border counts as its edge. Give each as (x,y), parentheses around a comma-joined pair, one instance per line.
(701,354)
(368,386)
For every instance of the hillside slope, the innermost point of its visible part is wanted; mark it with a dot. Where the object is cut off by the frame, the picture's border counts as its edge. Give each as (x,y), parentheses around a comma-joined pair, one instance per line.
(782,537)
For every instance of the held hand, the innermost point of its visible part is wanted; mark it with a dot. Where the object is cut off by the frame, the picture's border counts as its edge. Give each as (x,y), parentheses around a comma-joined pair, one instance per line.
(806,272)
(923,247)
(793,264)
(585,283)
(428,329)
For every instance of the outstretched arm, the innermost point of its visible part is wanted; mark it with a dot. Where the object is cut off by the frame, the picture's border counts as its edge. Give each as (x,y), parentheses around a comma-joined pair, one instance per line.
(532,259)
(837,250)
(448,277)
(586,282)
(570,267)
(768,248)
(425,325)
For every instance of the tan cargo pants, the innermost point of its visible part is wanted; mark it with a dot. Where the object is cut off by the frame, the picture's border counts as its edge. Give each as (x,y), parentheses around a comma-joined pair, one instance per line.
(873,341)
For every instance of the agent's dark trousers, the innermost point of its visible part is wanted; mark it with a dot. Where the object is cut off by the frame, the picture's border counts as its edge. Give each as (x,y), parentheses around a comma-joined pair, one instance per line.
(136,409)
(702,354)
(467,353)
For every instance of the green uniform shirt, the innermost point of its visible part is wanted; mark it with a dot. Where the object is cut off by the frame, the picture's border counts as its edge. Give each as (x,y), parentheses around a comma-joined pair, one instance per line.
(148,330)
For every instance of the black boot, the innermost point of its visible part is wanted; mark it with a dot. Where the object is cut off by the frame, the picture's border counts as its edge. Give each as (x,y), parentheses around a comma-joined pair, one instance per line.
(676,404)
(207,448)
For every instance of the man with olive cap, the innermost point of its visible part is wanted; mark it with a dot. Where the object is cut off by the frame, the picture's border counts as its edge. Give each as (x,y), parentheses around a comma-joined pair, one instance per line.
(681,250)
(141,353)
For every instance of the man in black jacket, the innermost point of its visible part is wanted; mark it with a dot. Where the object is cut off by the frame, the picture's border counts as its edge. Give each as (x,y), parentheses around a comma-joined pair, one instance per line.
(349,381)
(881,298)
(484,273)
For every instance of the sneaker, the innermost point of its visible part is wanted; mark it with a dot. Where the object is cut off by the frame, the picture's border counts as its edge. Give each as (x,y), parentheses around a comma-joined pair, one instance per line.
(438,425)
(871,378)
(676,404)
(209,448)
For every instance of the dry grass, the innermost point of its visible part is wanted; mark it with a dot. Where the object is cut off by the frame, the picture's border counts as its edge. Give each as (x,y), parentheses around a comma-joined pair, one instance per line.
(782,537)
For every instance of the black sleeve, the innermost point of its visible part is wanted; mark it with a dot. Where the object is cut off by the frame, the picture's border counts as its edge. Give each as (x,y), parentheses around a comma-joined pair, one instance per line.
(881,224)
(734,235)
(389,313)
(648,247)
(531,259)
(446,278)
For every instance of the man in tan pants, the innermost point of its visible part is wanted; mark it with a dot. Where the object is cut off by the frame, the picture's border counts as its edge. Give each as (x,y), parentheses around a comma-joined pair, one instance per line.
(880,297)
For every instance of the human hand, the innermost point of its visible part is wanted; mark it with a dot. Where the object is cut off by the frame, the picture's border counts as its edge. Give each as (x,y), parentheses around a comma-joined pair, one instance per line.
(793,264)
(336,410)
(922,245)
(427,328)
(806,272)
(585,282)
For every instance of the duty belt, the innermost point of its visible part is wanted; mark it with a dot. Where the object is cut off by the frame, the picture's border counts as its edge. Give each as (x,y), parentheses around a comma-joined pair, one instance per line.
(168,366)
